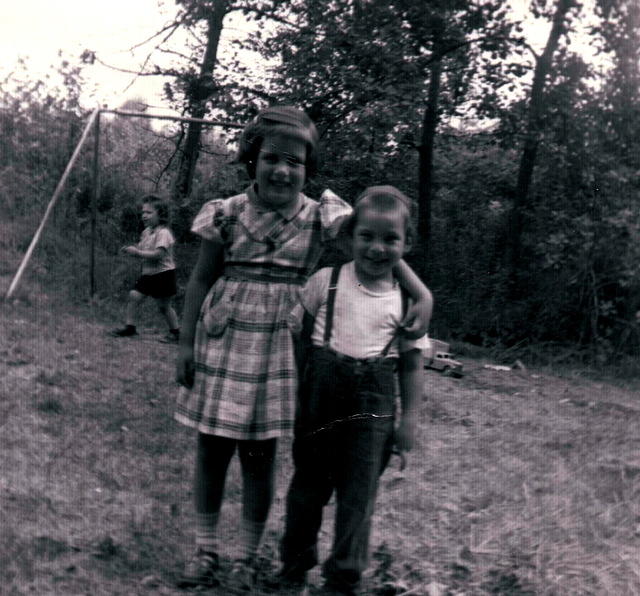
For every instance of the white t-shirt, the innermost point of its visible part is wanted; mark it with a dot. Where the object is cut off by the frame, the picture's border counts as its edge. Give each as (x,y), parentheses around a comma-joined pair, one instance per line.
(363,321)
(158,237)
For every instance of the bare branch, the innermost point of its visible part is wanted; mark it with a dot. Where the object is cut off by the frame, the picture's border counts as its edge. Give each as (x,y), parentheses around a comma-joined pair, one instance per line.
(169,72)
(267,15)
(172,29)
(180,55)
(173,25)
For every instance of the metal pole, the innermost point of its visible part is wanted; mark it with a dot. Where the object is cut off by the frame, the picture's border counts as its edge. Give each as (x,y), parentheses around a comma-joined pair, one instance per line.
(174,118)
(94,205)
(51,205)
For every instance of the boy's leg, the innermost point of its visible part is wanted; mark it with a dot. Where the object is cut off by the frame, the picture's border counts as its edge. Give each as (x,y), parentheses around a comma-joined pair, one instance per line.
(356,487)
(314,457)
(310,490)
(363,444)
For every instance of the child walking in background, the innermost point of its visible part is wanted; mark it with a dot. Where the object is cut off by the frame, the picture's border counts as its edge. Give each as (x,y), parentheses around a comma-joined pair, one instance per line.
(350,317)
(236,360)
(158,279)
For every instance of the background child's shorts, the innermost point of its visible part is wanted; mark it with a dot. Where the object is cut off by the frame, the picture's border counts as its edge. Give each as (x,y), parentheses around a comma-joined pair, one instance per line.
(159,285)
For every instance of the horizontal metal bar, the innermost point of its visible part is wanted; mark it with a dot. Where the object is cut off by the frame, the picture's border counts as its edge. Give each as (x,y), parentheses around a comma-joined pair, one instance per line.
(174,118)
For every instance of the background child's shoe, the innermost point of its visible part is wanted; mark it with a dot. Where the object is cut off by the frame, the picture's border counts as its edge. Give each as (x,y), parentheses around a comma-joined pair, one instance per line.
(201,570)
(126,331)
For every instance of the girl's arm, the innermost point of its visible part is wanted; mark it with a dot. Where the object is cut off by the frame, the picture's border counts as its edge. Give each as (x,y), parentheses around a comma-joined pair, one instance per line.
(207,270)
(302,341)
(416,321)
(411,383)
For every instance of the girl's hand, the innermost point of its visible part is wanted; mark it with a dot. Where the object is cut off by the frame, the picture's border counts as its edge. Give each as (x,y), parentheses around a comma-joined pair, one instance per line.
(416,321)
(129,250)
(405,434)
(185,367)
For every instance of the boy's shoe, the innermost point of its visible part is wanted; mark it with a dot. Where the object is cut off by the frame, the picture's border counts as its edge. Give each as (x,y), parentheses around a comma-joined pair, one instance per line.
(242,577)
(127,331)
(290,580)
(200,570)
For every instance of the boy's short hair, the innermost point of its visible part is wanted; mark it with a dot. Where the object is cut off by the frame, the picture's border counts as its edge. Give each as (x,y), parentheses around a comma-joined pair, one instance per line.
(160,205)
(383,198)
(285,120)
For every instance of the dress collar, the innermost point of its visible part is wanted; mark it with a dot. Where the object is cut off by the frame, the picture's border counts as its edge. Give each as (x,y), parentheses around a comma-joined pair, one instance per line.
(287,213)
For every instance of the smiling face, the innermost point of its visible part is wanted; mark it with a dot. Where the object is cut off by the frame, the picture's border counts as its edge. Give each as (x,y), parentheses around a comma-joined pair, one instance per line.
(379,241)
(280,169)
(150,216)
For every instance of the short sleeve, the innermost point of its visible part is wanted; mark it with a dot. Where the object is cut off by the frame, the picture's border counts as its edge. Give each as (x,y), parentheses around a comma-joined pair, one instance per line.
(212,220)
(333,211)
(309,299)
(164,238)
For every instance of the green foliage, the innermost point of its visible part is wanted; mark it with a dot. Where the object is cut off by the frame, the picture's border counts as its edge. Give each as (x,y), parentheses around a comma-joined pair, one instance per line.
(363,76)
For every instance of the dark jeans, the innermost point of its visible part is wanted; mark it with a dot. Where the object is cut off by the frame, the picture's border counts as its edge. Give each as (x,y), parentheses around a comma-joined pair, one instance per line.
(344,433)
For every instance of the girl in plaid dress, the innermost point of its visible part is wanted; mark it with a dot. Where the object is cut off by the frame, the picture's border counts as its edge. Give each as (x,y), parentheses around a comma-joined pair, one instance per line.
(236,358)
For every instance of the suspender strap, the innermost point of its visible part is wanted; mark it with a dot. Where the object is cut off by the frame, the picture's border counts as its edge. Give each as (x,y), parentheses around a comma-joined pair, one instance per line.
(331,299)
(405,306)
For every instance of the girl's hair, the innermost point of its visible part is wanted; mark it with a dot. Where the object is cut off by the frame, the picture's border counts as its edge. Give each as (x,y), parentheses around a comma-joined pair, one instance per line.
(160,205)
(285,120)
(382,198)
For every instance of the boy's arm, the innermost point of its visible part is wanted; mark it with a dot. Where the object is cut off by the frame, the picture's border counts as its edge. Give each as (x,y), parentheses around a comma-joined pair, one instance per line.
(411,384)
(416,321)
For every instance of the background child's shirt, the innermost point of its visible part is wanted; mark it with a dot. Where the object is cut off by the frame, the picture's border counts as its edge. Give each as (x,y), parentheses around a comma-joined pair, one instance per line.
(151,239)
(363,321)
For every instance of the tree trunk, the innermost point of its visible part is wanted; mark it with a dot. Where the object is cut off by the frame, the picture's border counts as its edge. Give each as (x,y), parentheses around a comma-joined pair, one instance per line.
(532,137)
(425,152)
(198,104)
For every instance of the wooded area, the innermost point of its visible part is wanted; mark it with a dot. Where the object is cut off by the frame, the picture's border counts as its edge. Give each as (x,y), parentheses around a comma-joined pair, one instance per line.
(524,163)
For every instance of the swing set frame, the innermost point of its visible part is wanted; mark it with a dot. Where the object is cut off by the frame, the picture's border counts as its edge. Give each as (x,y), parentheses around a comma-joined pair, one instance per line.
(93,123)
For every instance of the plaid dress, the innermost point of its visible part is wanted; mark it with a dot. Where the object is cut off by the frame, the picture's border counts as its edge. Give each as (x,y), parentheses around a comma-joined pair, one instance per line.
(245,375)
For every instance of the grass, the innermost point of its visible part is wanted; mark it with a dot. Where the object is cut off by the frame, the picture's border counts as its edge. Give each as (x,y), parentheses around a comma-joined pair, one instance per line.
(524,482)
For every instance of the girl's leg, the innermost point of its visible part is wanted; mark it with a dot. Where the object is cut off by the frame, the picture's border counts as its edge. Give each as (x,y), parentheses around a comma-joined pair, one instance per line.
(258,469)
(168,312)
(135,298)
(212,460)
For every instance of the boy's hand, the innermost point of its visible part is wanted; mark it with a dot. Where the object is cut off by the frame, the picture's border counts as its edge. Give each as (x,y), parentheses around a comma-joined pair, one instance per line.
(185,368)
(405,434)
(416,322)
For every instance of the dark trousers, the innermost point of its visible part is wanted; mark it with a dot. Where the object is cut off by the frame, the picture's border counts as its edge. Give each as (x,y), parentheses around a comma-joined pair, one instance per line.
(344,433)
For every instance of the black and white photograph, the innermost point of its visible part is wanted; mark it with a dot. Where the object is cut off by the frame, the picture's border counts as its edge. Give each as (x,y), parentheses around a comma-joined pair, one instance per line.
(320,298)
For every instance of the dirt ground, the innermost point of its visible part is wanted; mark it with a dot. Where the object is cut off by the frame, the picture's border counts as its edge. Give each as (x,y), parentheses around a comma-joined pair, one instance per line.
(522,481)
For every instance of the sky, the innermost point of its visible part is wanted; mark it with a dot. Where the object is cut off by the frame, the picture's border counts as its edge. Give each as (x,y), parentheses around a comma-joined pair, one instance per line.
(37,29)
